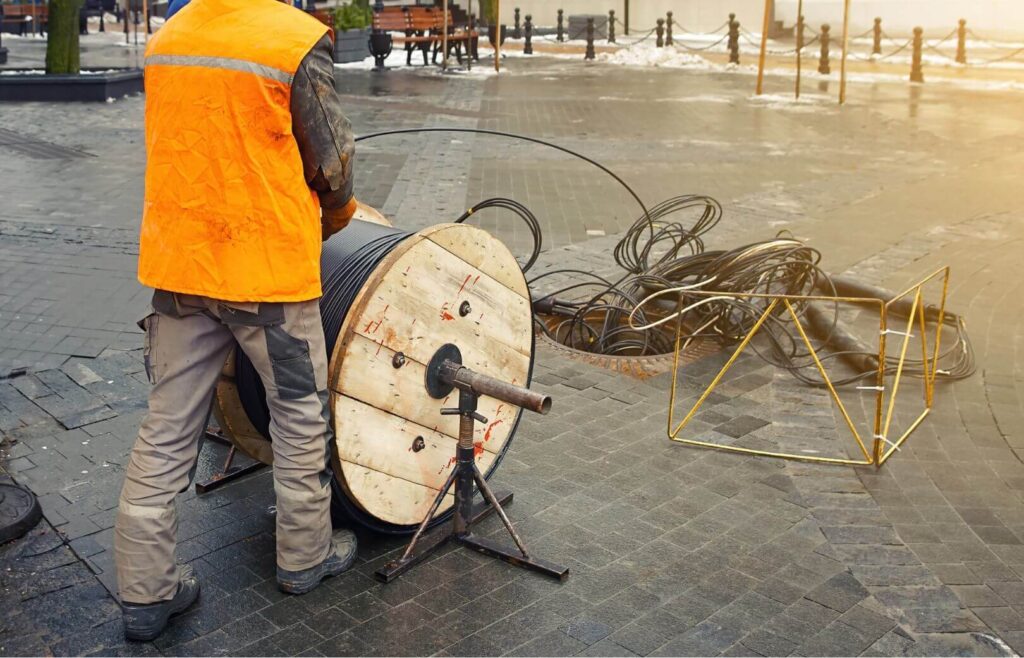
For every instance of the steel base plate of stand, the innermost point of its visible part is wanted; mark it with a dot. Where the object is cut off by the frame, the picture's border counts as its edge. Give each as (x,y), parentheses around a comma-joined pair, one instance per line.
(435,538)
(228,473)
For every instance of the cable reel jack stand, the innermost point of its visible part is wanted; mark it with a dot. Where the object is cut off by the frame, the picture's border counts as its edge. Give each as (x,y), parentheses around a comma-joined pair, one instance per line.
(446,373)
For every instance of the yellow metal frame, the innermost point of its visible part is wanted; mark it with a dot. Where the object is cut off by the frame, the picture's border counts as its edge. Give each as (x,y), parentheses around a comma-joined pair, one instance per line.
(881,447)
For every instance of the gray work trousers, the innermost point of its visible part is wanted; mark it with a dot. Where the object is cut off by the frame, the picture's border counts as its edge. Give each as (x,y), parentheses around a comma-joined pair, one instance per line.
(188,339)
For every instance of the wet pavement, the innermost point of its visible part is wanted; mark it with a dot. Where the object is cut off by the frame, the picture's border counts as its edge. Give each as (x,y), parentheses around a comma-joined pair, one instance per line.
(674,550)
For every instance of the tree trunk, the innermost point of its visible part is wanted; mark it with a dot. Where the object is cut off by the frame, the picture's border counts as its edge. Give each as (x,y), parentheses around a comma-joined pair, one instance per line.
(487,11)
(62,37)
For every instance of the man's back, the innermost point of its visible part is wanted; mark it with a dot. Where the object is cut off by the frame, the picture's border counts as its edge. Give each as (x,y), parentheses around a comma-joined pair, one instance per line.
(228,213)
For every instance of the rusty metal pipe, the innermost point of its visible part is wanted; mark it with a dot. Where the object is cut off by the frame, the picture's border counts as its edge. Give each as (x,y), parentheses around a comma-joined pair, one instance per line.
(464,378)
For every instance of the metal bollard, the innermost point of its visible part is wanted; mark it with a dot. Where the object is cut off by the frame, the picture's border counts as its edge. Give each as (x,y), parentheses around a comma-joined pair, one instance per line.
(916,74)
(800,25)
(561,26)
(961,42)
(528,30)
(734,40)
(590,39)
(517,32)
(611,26)
(668,29)
(660,31)
(473,45)
(876,48)
(823,66)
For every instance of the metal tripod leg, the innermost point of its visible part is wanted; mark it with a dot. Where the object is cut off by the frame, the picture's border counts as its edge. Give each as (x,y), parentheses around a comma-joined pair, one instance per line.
(228,473)
(434,538)
(494,549)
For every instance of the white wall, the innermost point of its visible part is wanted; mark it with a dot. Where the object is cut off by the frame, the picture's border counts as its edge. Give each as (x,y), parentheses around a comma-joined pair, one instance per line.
(989,18)
(695,15)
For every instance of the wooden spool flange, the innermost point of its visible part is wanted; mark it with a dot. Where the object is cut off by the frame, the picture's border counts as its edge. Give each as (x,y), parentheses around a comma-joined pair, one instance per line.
(393,450)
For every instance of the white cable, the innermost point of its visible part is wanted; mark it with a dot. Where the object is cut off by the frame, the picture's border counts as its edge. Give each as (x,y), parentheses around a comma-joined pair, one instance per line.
(677,313)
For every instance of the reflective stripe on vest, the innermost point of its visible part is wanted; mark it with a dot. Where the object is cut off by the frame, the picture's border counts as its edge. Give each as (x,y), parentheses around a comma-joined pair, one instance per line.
(228,213)
(227,63)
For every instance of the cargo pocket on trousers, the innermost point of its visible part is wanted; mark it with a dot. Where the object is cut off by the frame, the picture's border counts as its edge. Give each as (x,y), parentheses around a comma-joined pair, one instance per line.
(148,325)
(292,366)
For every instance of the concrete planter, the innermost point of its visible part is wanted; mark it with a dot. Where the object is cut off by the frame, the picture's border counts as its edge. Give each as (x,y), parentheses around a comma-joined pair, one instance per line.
(93,84)
(351,46)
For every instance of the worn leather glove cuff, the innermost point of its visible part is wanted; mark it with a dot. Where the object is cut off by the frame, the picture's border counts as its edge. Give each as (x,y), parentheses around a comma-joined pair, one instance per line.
(335,219)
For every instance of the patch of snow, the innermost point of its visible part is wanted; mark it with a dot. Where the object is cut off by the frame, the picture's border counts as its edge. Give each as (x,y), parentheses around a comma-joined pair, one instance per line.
(649,55)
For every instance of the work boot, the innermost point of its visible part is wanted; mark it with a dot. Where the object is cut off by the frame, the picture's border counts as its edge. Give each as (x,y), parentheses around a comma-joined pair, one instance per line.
(341,557)
(145,621)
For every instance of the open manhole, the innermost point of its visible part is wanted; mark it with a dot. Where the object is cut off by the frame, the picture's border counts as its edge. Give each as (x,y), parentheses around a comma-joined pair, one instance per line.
(19,512)
(634,353)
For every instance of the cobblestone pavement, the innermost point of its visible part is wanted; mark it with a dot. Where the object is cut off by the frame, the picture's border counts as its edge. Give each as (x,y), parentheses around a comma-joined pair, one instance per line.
(673,550)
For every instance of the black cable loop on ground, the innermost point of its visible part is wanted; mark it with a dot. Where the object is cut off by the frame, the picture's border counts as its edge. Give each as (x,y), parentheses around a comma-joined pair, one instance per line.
(533,140)
(659,253)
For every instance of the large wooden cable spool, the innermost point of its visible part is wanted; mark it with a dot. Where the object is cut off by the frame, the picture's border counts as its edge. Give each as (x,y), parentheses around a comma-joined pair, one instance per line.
(393,450)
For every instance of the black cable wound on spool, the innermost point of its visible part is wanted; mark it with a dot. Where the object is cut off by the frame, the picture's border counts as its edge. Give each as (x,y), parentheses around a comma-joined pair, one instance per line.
(346,262)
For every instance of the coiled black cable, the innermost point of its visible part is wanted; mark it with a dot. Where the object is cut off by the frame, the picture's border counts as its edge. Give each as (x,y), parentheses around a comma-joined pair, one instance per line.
(346,261)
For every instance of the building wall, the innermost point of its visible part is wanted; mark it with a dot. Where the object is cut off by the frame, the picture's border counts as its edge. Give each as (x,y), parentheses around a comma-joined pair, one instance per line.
(989,18)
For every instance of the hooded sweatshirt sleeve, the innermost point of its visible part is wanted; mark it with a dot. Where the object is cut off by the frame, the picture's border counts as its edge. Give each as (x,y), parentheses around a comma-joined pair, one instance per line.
(323,133)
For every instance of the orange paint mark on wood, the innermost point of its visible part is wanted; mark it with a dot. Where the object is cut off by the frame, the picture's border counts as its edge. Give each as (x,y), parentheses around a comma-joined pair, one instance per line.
(463,286)
(490,428)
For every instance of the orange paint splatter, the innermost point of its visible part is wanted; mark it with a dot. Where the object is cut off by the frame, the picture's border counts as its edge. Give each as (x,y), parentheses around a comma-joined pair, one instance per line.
(463,286)
(372,326)
(490,428)
(451,460)
(478,448)
(446,316)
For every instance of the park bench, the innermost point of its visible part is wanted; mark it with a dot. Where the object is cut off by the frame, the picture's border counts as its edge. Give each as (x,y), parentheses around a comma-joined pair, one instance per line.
(458,36)
(89,9)
(415,33)
(422,29)
(25,16)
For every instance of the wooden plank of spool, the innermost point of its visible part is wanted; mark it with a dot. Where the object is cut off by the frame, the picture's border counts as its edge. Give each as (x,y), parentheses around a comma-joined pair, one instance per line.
(411,304)
(375,383)
(396,447)
(227,408)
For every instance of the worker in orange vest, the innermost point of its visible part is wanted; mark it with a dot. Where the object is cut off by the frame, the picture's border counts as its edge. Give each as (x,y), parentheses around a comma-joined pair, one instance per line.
(249,169)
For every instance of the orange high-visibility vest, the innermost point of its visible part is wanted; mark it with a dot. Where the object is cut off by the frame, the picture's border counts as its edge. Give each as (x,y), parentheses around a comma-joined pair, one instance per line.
(228,213)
